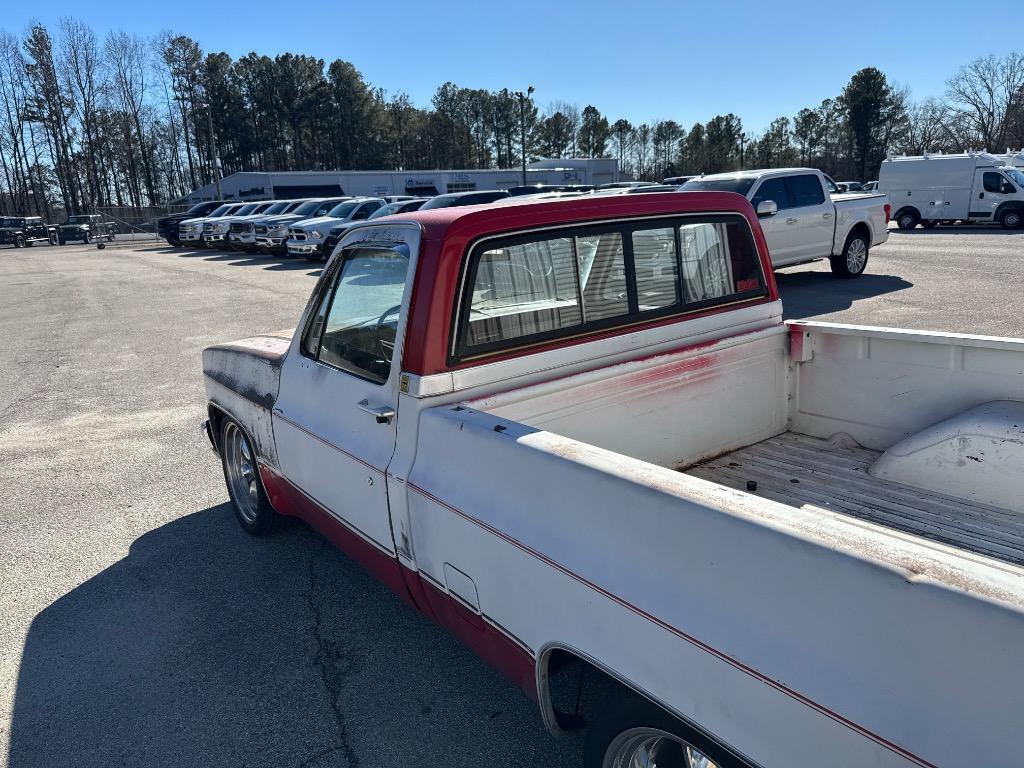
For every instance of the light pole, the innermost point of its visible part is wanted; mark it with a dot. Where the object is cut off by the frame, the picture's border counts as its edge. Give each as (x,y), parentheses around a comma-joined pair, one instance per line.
(522,124)
(214,155)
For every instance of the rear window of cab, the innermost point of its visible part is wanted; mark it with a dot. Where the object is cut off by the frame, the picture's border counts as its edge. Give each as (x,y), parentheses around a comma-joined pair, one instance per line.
(532,288)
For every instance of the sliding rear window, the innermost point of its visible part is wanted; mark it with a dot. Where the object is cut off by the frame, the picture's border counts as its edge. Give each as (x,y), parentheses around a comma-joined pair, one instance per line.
(563,282)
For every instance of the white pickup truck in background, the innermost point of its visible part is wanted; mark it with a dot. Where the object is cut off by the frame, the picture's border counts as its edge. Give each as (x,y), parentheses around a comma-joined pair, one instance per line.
(805,219)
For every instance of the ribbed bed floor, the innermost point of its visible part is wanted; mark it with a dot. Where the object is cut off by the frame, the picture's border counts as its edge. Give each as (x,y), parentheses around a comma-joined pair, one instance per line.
(831,475)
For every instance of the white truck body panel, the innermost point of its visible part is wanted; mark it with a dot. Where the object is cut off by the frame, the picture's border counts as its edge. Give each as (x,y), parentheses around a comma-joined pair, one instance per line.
(744,571)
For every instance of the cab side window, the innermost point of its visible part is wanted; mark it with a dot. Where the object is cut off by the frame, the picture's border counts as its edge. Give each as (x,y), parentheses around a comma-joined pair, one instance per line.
(993,182)
(806,190)
(772,189)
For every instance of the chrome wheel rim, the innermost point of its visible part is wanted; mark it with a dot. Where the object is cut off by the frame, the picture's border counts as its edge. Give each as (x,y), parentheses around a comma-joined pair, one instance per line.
(653,748)
(241,470)
(906,221)
(856,255)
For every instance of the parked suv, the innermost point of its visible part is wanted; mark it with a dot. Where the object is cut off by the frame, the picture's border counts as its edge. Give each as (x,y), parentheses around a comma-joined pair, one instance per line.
(86,227)
(20,231)
(307,238)
(167,226)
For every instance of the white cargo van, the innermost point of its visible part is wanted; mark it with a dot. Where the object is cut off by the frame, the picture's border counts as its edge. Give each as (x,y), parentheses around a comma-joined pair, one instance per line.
(934,189)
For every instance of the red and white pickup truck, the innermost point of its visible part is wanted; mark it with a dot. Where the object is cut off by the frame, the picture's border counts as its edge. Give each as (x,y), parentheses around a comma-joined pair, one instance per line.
(579,435)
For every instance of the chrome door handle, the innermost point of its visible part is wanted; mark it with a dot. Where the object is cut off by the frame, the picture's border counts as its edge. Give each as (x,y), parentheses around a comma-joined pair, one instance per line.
(382,413)
(826,215)
(791,221)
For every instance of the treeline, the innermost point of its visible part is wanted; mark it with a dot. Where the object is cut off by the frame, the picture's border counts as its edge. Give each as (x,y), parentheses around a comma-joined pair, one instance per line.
(89,121)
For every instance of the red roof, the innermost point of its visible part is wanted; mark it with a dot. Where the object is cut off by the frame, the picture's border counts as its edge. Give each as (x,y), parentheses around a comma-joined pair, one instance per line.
(448,232)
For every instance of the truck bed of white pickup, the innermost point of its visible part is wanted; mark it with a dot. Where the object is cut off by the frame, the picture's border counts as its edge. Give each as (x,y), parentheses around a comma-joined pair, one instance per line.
(831,477)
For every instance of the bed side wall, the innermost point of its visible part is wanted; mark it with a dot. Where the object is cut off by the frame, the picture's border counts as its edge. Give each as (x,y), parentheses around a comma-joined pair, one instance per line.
(881,385)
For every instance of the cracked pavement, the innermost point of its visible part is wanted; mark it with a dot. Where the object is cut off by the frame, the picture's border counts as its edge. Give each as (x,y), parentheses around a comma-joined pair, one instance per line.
(140,626)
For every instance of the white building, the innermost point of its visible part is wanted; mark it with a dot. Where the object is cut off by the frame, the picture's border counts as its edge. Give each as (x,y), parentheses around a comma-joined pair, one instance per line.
(283,185)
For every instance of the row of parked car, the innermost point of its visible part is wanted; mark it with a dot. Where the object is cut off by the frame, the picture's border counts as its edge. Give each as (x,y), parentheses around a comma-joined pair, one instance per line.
(311,227)
(24,231)
(307,227)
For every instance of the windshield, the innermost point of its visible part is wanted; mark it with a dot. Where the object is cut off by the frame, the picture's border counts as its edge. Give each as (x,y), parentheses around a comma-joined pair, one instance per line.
(198,209)
(246,209)
(738,184)
(307,207)
(1017,176)
(341,210)
(386,210)
(220,211)
(278,207)
(78,219)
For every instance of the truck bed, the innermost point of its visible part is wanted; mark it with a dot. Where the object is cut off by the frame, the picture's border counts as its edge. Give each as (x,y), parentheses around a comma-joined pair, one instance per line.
(831,476)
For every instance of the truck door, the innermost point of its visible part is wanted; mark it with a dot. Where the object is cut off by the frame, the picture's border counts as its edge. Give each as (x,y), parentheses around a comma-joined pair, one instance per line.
(813,231)
(779,231)
(989,191)
(335,419)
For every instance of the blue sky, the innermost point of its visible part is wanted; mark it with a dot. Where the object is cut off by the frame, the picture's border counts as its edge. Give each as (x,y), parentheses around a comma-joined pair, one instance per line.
(640,60)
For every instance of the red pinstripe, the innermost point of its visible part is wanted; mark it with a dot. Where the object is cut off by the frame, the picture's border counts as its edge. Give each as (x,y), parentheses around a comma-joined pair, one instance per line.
(736,663)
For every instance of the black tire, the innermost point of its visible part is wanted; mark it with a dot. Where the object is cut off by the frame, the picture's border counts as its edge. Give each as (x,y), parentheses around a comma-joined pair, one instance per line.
(908,219)
(257,518)
(19,241)
(625,711)
(87,238)
(848,264)
(929,223)
(1012,219)
(313,257)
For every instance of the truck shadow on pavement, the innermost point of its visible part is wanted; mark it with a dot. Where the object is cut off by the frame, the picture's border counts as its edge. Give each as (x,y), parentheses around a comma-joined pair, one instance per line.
(206,647)
(806,294)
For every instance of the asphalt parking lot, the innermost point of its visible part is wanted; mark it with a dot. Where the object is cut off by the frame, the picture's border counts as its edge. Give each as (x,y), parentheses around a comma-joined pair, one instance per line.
(141,626)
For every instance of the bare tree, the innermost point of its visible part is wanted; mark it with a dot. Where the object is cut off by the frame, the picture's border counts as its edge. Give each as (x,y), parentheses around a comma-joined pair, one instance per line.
(927,128)
(126,58)
(78,64)
(984,93)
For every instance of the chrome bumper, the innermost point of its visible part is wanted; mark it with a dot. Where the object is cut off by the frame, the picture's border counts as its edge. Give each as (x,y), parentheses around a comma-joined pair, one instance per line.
(302,247)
